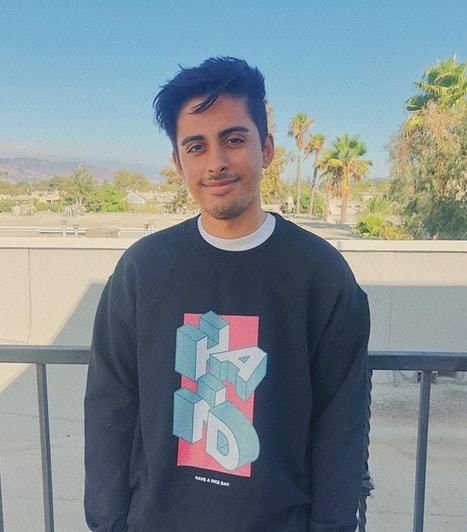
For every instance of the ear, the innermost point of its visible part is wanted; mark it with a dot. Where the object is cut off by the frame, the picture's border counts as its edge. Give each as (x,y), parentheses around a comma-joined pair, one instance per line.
(268,151)
(177,164)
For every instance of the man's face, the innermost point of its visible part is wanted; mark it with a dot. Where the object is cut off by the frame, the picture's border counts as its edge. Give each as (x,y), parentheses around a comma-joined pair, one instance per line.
(221,158)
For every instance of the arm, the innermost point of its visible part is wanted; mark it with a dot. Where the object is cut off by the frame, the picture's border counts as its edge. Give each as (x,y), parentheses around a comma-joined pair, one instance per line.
(110,408)
(339,380)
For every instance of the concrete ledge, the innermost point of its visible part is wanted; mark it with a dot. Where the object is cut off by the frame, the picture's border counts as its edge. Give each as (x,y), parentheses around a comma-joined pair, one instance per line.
(402,246)
(66,243)
(399,246)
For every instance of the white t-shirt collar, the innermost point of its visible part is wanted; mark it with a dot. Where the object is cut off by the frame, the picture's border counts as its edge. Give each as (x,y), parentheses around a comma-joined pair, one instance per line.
(242,243)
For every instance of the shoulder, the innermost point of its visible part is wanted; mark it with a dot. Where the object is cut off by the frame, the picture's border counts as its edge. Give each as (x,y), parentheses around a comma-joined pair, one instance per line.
(160,250)
(149,256)
(310,251)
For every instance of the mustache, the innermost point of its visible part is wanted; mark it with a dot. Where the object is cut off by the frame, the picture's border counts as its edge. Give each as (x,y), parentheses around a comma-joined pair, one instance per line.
(219,178)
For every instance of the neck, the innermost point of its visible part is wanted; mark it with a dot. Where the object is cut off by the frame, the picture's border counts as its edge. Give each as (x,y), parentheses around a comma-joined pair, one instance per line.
(233,228)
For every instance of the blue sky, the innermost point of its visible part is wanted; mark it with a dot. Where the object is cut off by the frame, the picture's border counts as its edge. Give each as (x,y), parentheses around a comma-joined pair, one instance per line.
(77,78)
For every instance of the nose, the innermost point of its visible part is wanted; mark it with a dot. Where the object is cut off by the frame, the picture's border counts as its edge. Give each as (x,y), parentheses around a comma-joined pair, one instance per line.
(217,160)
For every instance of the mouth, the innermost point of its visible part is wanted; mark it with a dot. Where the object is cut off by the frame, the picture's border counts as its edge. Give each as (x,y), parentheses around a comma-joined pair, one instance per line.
(217,186)
(220,182)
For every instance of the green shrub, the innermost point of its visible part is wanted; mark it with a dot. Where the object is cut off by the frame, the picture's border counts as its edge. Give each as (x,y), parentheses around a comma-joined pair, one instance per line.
(375,226)
(47,207)
(6,205)
(379,205)
(319,203)
(319,206)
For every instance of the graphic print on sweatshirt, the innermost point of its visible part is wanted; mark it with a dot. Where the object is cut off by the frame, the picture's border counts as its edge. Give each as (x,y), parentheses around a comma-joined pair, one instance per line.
(221,366)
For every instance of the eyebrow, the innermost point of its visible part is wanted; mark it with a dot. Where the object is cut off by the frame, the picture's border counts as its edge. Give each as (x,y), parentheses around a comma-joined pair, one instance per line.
(222,134)
(234,129)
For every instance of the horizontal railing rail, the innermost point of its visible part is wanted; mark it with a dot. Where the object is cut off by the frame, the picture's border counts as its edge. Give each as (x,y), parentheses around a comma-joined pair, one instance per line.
(449,361)
(424,362)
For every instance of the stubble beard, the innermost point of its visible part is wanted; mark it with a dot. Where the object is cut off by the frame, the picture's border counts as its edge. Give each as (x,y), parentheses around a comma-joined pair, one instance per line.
(229,209)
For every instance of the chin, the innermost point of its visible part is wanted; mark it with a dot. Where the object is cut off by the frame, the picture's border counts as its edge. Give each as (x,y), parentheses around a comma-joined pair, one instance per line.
(230,210)
(227,212)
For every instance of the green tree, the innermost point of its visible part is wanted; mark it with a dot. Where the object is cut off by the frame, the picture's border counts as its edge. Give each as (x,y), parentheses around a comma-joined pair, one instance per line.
(428,164)
(127,181)
(315,146)
(79,188)
(182,202)
(270,119)
(57,183)
(300,125)
(172,181)
(94,200)
(104,198)
(444,84)
(342,165)
(273,189)
(113,199)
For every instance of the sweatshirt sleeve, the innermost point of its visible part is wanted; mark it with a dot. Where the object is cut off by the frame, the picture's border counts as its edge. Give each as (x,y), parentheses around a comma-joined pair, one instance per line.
(339,383)
(111,406)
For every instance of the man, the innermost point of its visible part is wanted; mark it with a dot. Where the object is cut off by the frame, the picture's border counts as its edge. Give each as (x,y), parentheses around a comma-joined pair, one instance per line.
(226,386)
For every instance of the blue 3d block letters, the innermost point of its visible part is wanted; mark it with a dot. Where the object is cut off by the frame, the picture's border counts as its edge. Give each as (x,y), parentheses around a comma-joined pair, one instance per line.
(203,356)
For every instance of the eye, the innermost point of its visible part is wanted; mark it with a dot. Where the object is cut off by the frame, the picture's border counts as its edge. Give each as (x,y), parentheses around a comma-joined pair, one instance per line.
(234,141)
(194,148)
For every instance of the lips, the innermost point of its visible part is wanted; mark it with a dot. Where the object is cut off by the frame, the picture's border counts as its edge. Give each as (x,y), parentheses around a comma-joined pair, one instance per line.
(218,183)
(220,186)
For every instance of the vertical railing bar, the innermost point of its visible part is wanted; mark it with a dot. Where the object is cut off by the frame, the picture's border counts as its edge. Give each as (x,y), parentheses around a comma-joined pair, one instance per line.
(422,447)
(46,461)
(1,505)
(367,484)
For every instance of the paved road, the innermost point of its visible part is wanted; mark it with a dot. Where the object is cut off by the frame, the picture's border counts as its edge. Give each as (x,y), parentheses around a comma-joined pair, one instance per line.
(392,454)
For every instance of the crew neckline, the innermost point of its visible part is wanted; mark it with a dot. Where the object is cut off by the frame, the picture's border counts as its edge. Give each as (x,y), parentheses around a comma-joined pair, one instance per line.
(243,243)
(197,242)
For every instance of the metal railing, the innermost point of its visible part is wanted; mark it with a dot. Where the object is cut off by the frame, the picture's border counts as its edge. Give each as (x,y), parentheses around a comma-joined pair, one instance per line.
(424,362)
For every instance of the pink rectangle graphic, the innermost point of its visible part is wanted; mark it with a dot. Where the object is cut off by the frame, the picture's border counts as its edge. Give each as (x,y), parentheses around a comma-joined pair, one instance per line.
(243,332)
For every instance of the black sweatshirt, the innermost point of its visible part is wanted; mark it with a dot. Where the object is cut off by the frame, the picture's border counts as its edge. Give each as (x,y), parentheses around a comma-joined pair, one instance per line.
(226,389)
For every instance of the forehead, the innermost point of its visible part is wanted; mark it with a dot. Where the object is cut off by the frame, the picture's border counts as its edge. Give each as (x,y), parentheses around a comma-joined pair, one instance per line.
(226,112)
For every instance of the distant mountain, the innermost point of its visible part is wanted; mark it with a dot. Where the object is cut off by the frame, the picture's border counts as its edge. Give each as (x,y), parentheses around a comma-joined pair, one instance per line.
(31,169)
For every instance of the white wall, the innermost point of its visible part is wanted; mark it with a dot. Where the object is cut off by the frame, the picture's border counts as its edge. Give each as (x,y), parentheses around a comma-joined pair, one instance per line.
(417,290)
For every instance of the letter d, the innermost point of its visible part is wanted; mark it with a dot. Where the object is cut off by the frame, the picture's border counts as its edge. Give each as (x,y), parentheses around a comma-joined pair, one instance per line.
(231,439)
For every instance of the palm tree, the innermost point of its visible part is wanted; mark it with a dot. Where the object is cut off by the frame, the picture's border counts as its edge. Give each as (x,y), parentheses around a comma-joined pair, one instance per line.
(315,145)
(270,118)
(342,164)
(300,124)
(444,84)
